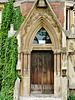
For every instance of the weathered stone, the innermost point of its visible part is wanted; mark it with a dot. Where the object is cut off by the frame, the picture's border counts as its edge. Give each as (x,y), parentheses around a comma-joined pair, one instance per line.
(11,32)
(61,46)
(17,89)
(39,98)
(71,74)
(72,32)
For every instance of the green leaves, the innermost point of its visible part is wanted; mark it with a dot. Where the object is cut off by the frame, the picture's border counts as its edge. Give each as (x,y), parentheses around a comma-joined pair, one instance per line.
(8,50)
(72,96)
(3,37)
(9,71)
(17,20)
(7,15)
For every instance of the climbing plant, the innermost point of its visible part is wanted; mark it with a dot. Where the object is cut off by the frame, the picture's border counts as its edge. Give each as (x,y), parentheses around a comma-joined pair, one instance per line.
(7,15)
(9,71)
(3,36)
(72,96)
(8,50)
(17,20)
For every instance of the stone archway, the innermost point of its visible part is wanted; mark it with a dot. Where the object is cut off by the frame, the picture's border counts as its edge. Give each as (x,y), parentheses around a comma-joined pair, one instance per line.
(37,19)
(27,47)
(41,22)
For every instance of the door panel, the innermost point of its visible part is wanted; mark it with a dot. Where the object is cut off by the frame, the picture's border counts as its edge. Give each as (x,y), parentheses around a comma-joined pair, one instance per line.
(42,71)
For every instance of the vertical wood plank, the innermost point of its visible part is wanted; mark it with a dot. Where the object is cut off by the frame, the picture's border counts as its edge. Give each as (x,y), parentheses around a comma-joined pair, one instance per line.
(42,69)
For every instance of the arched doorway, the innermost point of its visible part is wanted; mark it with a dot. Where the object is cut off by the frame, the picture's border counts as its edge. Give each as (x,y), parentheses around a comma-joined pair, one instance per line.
(50,43)
(42,65)
(42,72)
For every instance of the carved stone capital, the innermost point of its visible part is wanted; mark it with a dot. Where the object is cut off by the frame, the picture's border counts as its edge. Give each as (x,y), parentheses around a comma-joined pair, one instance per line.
(57,51)
(63,50)
(27,52)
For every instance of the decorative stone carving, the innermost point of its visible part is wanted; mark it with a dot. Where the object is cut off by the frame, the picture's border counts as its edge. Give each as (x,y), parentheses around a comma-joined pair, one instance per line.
(71,45)
(40,12)
(41,3)
(63,50)
(71,33)
(22,42)
(27,52)
(26,29)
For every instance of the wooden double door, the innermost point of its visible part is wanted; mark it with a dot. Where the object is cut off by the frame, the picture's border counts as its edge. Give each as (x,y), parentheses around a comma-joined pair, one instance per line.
(42,72)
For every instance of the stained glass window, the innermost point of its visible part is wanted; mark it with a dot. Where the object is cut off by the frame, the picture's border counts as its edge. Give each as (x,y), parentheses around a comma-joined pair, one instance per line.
(42,37)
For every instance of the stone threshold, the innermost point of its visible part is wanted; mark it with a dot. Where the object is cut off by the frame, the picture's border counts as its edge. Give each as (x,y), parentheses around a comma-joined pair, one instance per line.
(44,95)
(39,98)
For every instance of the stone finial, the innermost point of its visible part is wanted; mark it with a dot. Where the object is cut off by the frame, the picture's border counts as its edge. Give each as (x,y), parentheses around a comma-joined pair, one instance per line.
(41,3)
(11,32)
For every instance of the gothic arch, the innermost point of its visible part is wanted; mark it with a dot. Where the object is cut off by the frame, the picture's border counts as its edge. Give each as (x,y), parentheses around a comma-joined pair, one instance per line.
(35,20)
(35,27)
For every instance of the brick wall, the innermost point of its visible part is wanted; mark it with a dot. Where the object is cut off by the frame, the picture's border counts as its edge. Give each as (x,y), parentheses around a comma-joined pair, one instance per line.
(25,7)
(57,7)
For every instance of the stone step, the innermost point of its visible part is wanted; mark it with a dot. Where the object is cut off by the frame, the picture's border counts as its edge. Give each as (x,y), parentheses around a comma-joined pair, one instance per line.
(38,98)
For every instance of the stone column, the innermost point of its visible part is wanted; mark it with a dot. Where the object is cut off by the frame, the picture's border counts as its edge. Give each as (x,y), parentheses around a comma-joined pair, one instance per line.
(25,65)
(29,65)
(28,68)
(21,64)
(64,76)
(25,84)
(59,87)
(58,64)
(55,73)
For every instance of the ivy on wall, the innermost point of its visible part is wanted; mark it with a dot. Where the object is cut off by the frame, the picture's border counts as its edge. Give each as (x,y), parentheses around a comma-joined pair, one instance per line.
(3,36)
(8,50)
(7,15)
(9,72)
(17,20)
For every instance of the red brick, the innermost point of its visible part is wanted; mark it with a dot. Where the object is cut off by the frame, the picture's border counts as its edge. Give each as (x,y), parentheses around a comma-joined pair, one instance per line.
(58,8)
(25,7)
